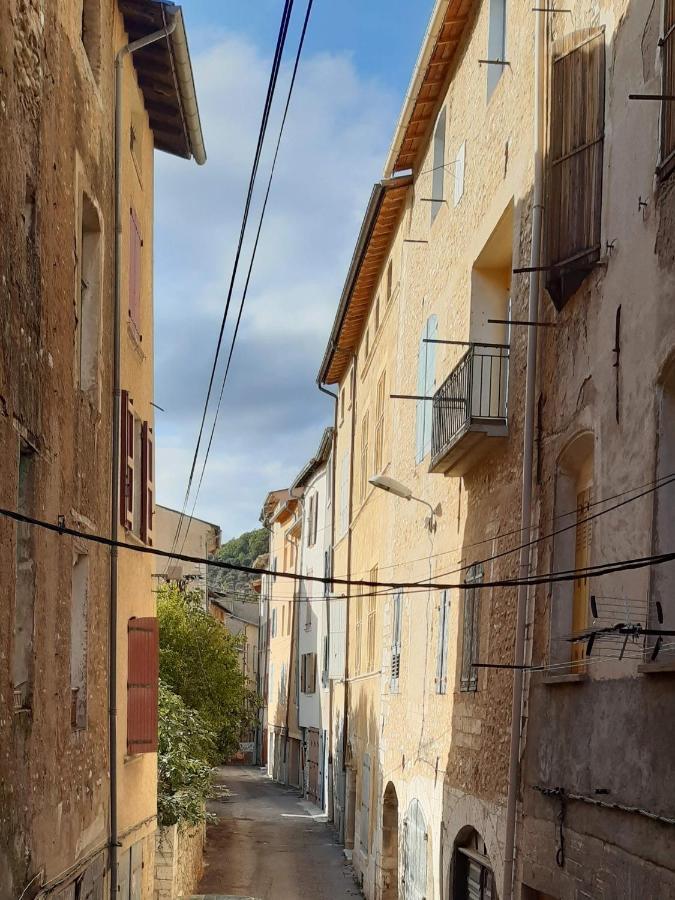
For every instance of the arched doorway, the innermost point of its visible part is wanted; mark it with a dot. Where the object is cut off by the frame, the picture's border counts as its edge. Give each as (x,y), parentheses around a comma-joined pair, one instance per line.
(390,844)
(472,876)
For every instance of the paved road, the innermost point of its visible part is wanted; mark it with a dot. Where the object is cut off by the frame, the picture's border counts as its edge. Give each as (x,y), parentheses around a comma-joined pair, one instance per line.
(268,845)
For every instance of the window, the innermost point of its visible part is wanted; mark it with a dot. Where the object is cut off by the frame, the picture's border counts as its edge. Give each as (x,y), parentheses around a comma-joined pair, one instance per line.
(324,661)
(142,685)
(308,673)
(88,297)
(663,528)
(458,191)
(577,126)
(274,623)
(496,43)
(377,313)
(358,630)
(363,488)
(473,871)
(438,173)
(91,34)
(442,647)
(327,567)
(288,617)
(24,597)
(372,622)
(395,642)
(667,44)
(367,343)
(147,484)
(471,629)
(426,385)
(389,280)
(379,427)
(283,619)
(127,457)
(135,271)
(364,823)
(342,406)
(312,519)
(79,599)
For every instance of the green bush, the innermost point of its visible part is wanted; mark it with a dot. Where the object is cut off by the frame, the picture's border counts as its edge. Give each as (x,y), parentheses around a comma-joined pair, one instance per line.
(187,750)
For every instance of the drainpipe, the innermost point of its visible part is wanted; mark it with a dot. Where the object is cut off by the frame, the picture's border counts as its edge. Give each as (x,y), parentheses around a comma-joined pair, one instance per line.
(526,512)
(116,412)
(345,714)
(330,809)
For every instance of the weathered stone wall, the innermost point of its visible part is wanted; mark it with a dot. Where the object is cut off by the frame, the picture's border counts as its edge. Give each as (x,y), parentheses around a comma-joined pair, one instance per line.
(605,733)
(179,861)
(55,142)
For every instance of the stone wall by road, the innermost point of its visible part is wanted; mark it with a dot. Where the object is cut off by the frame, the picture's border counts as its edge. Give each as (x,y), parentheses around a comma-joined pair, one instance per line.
(179,861)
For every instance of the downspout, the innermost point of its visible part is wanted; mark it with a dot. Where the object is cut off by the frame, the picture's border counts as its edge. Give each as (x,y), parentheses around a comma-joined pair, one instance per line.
(116,413)
(330,809)
(526,512)
(345,713)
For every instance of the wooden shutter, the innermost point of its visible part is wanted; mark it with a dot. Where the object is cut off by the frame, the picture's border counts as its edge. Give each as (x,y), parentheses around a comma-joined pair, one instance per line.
(142,685)
(303,673)
(315,519)
(396,641)
(442,648)
(126,460)
(577,128)
(668,89)
(135,251)
(415,854)
(147,484)
(471,630)
(582,559)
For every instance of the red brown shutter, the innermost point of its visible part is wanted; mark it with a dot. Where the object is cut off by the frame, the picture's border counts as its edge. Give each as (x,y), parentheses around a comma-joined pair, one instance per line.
(142,685)
(135,245)
(126,460)
(147,485)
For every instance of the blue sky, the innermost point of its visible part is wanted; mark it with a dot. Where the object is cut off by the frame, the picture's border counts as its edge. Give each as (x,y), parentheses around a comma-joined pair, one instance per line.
(355,69)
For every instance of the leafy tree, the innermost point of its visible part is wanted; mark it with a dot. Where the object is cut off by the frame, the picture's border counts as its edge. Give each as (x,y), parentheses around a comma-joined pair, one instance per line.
(199,660)
(186,752)
(243,551)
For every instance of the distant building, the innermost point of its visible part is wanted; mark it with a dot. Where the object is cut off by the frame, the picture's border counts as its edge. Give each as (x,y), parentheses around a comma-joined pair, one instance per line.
(201,539)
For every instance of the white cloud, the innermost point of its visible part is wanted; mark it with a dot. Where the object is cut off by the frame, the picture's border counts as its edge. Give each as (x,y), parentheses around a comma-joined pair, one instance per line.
(333,147)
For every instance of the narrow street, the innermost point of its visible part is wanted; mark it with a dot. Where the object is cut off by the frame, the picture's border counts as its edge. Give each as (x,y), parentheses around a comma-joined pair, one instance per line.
(266,844)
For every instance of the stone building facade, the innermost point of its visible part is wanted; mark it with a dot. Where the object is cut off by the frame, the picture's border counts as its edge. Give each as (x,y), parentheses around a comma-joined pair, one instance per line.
(67,288)
(430,352)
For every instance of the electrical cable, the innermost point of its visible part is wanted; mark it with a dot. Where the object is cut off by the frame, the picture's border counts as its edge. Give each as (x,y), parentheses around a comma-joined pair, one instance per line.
(271,87)
(570,575)
(250,268)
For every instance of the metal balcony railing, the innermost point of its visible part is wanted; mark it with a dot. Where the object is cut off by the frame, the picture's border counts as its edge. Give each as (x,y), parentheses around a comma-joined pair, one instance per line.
(472,398)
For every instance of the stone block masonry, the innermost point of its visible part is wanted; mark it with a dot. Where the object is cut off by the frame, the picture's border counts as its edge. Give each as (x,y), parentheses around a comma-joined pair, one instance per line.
(179,860)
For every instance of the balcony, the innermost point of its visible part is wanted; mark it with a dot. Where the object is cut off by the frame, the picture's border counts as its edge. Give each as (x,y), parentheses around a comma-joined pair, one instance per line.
(470,409)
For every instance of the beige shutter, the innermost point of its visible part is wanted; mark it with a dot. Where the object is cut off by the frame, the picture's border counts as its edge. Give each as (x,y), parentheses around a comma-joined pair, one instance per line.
(574,201)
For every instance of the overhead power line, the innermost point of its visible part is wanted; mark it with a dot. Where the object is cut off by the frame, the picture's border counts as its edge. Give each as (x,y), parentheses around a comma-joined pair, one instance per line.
(271,87)
(570,575)
(250,268)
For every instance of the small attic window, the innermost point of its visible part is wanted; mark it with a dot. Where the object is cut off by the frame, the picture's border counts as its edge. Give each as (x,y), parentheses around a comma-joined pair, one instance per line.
(91,34)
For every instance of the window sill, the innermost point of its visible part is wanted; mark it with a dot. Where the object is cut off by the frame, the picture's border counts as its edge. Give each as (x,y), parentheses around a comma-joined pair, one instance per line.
(571,678)
(657,668)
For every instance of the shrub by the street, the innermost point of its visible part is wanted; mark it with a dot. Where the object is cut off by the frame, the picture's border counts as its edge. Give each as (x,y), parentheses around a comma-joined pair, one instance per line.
(186,752)
(199,660)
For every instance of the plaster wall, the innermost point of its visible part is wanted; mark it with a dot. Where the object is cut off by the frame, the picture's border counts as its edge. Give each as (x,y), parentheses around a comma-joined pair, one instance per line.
(615,715)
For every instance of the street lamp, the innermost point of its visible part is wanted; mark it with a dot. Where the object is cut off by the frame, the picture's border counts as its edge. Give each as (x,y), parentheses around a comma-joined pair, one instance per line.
(392,486)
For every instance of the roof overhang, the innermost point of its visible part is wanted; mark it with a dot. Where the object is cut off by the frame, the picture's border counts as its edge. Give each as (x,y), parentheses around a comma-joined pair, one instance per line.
(315,463)
(439,49)
(165,77)
(382,214)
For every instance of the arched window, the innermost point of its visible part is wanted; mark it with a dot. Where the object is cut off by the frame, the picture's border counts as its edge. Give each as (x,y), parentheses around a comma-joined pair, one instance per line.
(473,878)
(426,385)
(570,601)
(415,854)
